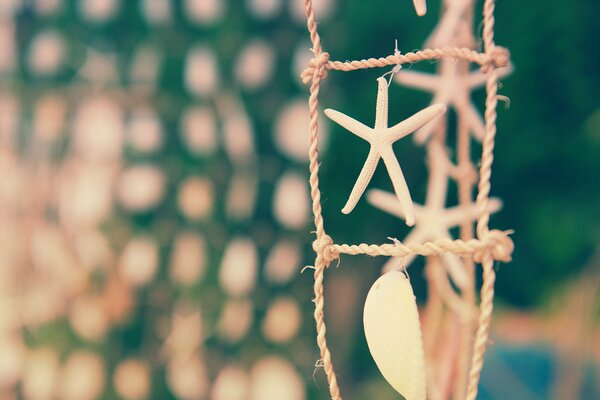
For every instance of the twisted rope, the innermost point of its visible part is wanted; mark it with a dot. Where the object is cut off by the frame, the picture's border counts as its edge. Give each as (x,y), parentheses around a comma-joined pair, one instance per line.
(486,305)
(496,58)
(496,243)
(489,245)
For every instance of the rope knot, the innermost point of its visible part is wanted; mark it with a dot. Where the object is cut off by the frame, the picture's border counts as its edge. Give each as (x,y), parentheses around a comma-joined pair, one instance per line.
(497,244)
(316,64)
(324,247)
(498,57)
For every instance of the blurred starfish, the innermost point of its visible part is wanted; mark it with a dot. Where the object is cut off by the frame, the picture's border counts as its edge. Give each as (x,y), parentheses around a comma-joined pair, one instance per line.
(420,7)
(381,139)
(433,220)
(453,88)
(446,31)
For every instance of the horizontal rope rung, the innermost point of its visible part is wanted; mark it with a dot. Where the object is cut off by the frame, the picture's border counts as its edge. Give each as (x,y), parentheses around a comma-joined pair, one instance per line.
(497,57)
(495,243)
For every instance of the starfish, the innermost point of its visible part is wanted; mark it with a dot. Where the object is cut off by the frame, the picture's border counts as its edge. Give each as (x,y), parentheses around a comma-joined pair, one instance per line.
(381,138)
(420,7)
(450,87)
(433,220)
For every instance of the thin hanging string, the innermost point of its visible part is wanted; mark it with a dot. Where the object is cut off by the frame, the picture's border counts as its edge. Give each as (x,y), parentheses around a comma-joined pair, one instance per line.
(397,67)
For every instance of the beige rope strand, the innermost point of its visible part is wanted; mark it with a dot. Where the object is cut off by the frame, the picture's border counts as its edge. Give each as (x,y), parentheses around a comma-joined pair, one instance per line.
(334,390)
(495,241)
(485,317)
(323,241)
(498,58)
(487,158)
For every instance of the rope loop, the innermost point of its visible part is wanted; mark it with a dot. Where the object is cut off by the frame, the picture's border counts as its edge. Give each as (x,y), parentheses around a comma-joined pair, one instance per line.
(324,247)
(497,244)
(498,57)
(316,64)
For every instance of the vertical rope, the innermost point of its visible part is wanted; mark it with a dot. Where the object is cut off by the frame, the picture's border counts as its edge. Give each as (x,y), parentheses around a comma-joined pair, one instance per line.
(323,240)
(334,389)
(313,102)
(465,196)
(487,157)
(485,316)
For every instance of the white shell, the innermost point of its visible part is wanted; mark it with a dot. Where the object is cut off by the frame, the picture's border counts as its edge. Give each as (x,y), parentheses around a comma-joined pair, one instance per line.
(393,334)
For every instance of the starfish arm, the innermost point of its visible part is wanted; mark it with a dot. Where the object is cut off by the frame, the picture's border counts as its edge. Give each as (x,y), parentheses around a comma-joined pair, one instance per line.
(423,134)
(473,120)
(418,80)
(363,180)
(385,201)
(505,71)
(414,122)
(417,235)
(455,216)
(455,269)
(477,78)
(437,188)
(444,33)
(399,183)
(381,110)
(357,128)
(388,202)
(420,7)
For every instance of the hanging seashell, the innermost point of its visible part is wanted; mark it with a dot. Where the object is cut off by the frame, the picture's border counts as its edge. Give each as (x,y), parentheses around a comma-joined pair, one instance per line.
(393,334)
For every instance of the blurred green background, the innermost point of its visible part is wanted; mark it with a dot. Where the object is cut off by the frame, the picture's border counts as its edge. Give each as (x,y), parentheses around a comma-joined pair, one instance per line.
(234,65)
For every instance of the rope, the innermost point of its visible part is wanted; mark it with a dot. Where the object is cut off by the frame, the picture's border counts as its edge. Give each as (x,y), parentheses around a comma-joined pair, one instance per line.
(485,249)
(496,243)
(485,172)
(496,58)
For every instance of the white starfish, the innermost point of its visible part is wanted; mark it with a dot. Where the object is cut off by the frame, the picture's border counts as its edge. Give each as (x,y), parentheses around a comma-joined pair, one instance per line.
(381,139)
(420,7)
(433,220)
(452,88)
